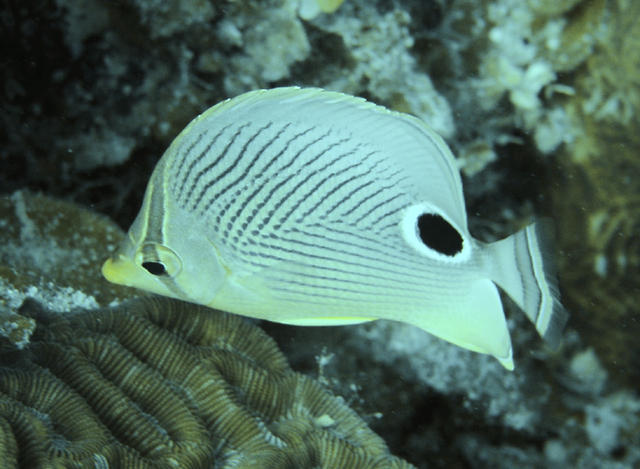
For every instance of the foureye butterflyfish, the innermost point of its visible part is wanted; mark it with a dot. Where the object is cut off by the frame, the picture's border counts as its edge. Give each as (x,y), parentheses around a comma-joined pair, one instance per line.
(310,207)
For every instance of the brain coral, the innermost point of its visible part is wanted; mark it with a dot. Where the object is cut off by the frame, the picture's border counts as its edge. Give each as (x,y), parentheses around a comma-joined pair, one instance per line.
(157,383)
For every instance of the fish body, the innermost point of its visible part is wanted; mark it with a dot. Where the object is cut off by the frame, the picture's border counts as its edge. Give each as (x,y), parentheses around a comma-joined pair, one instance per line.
(310,207)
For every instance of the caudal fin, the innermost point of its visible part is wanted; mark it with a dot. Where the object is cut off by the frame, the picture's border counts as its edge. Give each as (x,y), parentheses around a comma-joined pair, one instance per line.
(524,268)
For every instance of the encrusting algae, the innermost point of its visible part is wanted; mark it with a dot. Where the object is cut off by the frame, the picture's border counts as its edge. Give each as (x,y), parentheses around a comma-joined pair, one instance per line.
(161,383)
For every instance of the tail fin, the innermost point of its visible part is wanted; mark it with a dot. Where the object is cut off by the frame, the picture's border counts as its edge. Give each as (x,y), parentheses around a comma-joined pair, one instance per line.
(525,269)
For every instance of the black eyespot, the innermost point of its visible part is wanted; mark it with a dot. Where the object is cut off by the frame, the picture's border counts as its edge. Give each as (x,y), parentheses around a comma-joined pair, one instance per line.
(438,234)
(155,268)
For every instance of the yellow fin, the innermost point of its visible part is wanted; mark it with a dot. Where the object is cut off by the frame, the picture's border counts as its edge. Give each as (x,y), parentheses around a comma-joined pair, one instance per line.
(326,321)
(477,323)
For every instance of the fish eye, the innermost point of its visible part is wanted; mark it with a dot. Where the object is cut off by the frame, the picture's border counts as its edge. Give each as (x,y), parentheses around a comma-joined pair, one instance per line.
(159,260)
(438,234)
(155,268)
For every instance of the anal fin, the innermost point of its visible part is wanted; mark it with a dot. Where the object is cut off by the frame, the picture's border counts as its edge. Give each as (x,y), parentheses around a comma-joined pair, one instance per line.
(476,323)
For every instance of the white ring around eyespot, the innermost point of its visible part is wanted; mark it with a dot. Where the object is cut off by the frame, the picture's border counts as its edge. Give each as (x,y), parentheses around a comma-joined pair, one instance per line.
(411,233)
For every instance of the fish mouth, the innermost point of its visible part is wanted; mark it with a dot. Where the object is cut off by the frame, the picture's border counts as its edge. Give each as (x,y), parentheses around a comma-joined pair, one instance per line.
(119,269)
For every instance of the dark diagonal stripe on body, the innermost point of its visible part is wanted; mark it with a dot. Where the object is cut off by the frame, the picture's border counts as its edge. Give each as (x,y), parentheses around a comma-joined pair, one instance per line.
(213,164)
(196,160)
(230,167)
